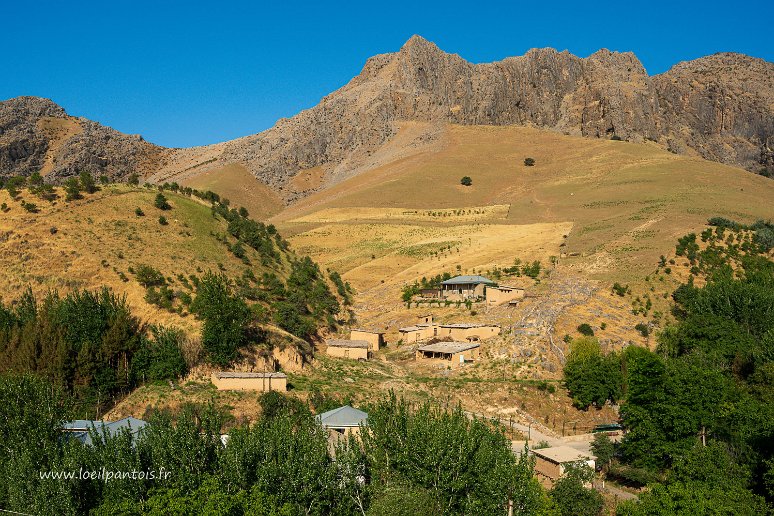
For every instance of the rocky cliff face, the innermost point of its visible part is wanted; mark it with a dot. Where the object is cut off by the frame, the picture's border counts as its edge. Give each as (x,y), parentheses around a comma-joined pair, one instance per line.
(37,135)
(721,107)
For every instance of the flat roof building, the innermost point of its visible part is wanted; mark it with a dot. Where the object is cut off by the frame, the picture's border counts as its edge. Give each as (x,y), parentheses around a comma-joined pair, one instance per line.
(354,349)
(457,353)
(551,463)
(468,331)
(374,338)
(262,382)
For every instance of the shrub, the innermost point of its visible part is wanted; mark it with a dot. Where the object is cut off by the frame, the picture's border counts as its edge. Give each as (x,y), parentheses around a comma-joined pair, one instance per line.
(30,207)
(466,181)
(643,329)
(163,220)
(4,207)
(139,212)
(147,276)
(619,289)
(586,330)
(133,179)
(529,162)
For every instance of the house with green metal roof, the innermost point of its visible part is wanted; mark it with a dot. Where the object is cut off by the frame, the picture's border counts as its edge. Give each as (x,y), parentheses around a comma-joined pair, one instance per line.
(461,288)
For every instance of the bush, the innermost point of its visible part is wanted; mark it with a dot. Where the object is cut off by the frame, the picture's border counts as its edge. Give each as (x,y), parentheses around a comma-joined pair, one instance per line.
(163,220)
(139,212)
(586,330)
(620,289)
(147,276)
(643,329)
(133,179)
(529,162)
(30,207)
(466,181)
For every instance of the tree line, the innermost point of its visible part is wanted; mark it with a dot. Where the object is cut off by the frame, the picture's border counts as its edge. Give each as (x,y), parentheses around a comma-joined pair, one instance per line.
(699,409)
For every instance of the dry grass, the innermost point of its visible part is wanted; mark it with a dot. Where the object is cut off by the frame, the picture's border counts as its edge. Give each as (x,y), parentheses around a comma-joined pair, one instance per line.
(239,186)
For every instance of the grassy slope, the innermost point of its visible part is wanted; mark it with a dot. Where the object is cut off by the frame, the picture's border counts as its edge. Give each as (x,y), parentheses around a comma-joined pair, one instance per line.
(237,184)
(627,202)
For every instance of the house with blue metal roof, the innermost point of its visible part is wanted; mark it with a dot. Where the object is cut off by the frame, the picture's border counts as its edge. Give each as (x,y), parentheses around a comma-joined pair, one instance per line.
(343,420)
(82,429)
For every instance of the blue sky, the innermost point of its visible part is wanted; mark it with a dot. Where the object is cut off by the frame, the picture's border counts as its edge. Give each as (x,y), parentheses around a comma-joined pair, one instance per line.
(187,73)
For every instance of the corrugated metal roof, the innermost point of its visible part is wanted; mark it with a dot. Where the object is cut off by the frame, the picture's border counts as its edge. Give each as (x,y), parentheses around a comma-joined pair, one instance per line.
(80,428)
(448,347)
(342,417)
(464,280)
(337,343)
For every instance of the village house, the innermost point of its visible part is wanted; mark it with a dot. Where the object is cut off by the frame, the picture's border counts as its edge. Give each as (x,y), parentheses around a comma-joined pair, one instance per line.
(417,333)
(374,338)
(261,382)
(354,349)
(81,428)
(456,353)
(503,294)
(343,420)
(461,288)
(551,463)
(468,331)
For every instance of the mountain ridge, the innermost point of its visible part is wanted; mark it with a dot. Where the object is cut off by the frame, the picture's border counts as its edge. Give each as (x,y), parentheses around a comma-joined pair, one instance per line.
(719,107)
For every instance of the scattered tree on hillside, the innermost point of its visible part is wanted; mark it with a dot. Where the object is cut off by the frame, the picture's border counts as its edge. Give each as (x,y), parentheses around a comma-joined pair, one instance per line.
(161,202)
(590,376)
(466,181)
(226,318)
(87,182)
(72,188)
(529,162)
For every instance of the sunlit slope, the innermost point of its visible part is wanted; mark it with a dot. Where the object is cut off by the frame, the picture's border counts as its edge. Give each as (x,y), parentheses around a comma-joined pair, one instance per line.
(95,241)
(235,183)
(626,202)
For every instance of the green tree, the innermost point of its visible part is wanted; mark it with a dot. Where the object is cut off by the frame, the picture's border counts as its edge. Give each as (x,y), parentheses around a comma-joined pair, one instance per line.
(72,188)
(133,179)
(603,449)
(571,496)
(466,181)
(161,202)
(529,162)
(590,376)
(87,182)
(226,318)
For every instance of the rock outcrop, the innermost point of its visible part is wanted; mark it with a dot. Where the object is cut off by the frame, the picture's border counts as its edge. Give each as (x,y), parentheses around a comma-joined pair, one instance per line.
(721,107)
(37,135)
